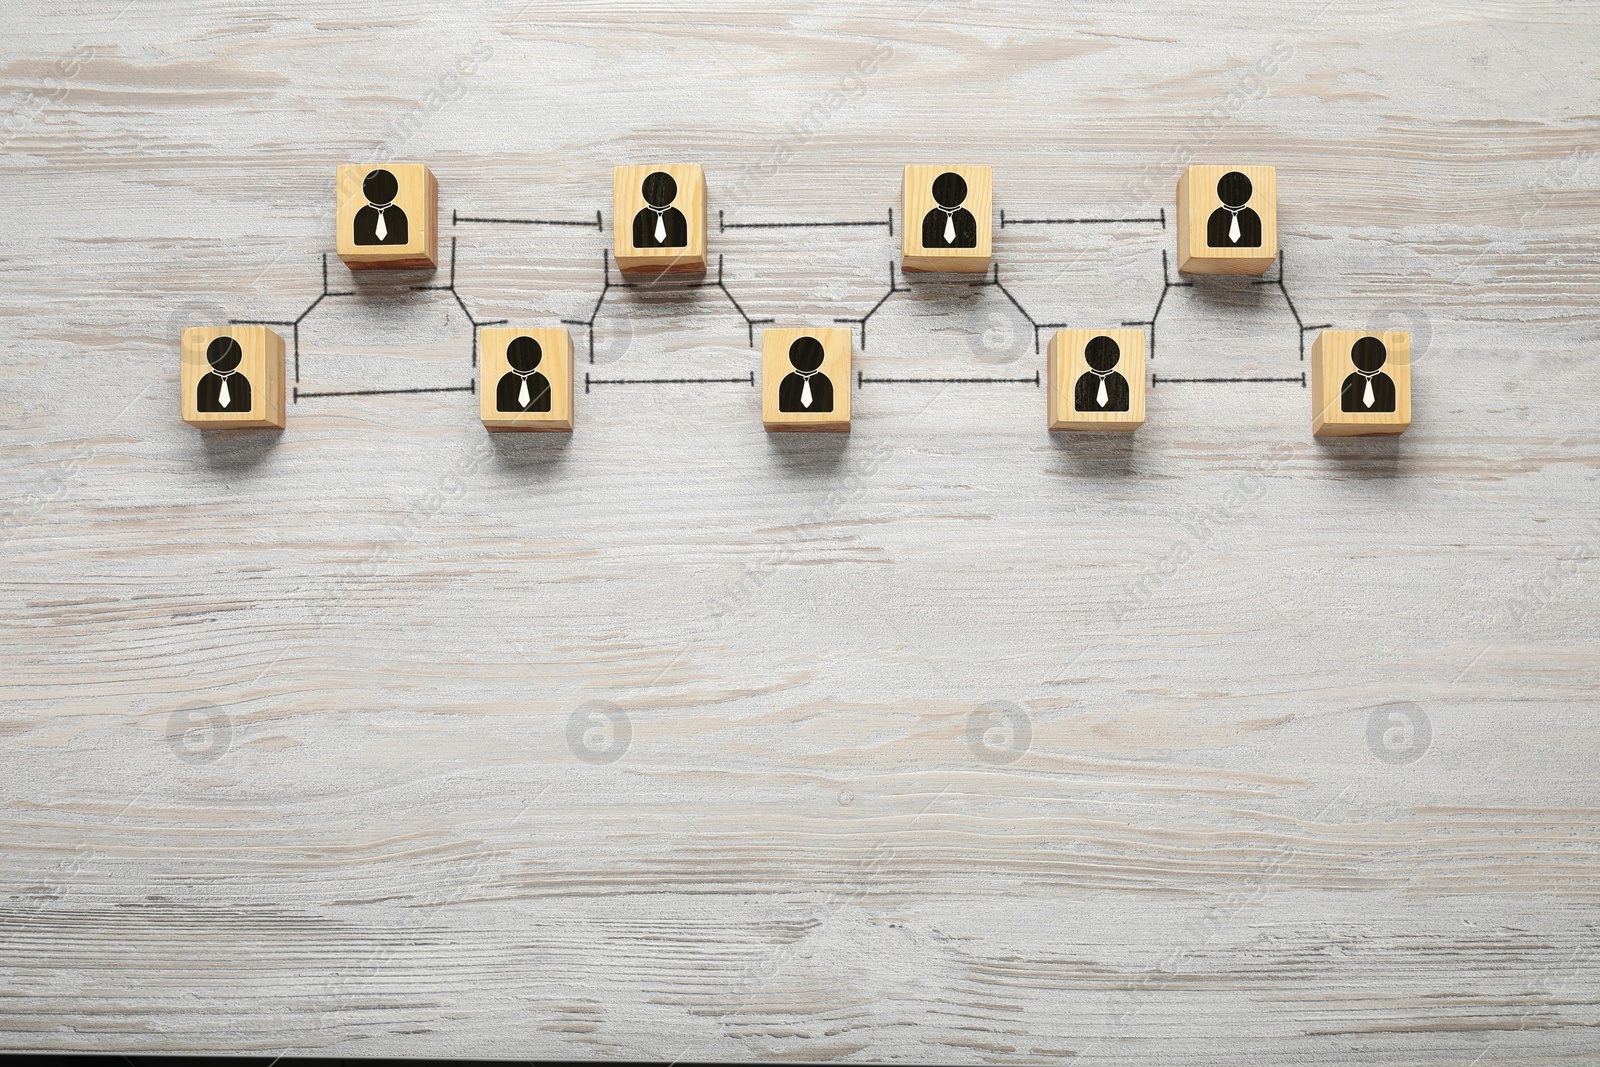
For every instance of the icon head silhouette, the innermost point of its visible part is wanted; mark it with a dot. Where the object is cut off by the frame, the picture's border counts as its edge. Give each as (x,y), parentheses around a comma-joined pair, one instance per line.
(224,354)
(1101,353)
(949,189)
(380,187)
(1368,354)
(523,354)
(805,355)
(1234,189)
(659,189)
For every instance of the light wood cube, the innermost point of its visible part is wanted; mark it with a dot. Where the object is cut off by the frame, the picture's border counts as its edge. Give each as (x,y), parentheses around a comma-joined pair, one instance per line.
(1096,380)
(659,219)
(1360,383)
(525,379)
(948,218)
(1227,220)
(388,216)
(805,379)
(231,377)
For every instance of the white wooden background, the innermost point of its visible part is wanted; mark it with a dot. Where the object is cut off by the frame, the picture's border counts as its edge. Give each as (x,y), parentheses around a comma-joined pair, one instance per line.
(951,740)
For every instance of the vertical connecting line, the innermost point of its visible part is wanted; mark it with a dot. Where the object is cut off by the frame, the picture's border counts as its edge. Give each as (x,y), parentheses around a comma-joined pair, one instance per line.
(749,323)
(1014,303)
(294,323)
(1304,329)
(1167,285)
(605,287)
(451,289)
(862,321)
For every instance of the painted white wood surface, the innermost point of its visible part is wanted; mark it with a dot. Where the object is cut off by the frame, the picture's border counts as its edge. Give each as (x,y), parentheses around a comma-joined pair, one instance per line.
(294,741)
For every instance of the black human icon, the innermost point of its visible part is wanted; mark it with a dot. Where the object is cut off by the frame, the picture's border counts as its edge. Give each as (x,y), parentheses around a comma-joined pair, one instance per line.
(1233,225)
(1100,388)
(660,225)
(949,225)
(805,388)
(1368,388)
(381,222)
(523,388)
(223,388)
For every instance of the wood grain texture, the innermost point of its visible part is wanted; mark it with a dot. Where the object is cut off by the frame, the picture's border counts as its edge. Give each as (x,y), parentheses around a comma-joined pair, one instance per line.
(946,739)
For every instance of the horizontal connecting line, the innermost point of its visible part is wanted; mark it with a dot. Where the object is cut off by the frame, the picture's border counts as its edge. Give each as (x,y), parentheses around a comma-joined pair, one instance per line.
(862,379)
(598,223)
(792,225)
(298,395)
(722,224)
(588,381)
(1156,380)
(1004,222)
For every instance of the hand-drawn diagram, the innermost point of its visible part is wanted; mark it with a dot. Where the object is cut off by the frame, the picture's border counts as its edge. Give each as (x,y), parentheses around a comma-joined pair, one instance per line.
(949,224)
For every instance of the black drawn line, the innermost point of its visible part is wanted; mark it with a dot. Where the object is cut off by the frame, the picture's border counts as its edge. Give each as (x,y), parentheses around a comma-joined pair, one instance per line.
(723,225)
(1004,222)
(862,321)
(1167,285)
(862,379)
(1304,329)
(451,289)
(588,381)
(456,218)
(295,322)
(995,281)
(1154,380)
(473,388)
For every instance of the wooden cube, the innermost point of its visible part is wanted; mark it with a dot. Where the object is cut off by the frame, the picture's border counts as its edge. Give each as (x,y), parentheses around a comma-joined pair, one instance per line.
(525,379)
(659,219)
(388,216)
(1096,380)
(1227,220)
(947,218)
(805,379)
(231,377)
(1360,383)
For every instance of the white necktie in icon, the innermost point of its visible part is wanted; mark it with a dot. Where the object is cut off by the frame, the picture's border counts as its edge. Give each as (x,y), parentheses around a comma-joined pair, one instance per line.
(1368,398)
(1104,397)
(661,227)
(950,229)
(805,393)
(382,231)
(1233,229)
(222,394)
(522,397)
